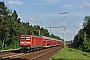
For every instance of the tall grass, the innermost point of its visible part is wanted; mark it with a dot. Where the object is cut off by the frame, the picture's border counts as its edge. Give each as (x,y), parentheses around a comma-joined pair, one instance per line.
(71,54)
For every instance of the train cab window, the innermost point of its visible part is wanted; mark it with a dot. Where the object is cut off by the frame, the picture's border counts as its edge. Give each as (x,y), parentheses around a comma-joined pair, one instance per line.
(28,38)
(23,38)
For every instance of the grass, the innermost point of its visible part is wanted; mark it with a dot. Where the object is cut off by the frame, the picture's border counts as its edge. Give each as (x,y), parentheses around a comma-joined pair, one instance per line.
(71,54)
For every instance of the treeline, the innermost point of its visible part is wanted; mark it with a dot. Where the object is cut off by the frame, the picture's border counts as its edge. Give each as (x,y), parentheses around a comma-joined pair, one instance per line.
(11,28)
(82,39)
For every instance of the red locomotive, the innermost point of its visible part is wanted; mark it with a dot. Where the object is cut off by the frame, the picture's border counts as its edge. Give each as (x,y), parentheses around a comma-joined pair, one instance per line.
(31,42)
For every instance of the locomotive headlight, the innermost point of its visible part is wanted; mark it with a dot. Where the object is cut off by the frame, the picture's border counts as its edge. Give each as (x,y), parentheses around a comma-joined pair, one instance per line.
(22,42)
(28,42)
(28,47)
(20,47)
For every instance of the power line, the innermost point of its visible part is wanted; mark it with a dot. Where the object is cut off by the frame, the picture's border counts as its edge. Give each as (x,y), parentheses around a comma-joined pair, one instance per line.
(19,13)
(57,6)
(22,11)
(53,27)
(18,7)
(38,10)
(68,5)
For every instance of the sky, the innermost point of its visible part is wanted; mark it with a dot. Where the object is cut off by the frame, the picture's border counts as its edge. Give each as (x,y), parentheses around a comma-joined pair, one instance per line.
(45,13)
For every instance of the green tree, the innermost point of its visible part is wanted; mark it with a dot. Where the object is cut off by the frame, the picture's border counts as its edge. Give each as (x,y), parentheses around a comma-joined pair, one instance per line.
(82,39)
(4,21)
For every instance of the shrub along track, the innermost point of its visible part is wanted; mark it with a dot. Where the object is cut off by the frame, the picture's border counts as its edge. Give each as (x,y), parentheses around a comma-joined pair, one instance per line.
(44,54)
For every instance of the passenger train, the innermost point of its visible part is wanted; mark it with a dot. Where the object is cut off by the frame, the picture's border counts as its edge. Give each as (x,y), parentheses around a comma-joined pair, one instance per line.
(31,42)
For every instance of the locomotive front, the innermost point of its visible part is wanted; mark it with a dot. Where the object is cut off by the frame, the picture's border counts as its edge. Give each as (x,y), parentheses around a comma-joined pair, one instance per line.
(25,42)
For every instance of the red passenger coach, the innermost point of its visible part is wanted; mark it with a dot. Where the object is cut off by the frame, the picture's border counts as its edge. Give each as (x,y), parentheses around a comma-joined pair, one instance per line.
(53,42)
(28,42)
(61,43)
(47,42)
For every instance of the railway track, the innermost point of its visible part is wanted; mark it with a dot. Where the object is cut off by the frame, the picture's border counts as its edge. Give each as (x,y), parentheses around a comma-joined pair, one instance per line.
(44,54)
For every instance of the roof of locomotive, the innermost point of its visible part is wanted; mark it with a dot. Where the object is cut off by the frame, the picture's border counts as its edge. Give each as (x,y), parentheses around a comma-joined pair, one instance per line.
(31,35)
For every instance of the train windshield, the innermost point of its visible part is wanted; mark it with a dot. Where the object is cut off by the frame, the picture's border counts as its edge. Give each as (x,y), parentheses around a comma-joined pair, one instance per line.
(25,38)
